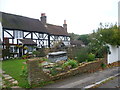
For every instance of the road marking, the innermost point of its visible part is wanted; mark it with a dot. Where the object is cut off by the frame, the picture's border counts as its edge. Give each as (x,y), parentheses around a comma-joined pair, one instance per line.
(97,83)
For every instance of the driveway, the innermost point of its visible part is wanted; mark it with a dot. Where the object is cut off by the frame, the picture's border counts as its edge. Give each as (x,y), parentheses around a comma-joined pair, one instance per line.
(81,81)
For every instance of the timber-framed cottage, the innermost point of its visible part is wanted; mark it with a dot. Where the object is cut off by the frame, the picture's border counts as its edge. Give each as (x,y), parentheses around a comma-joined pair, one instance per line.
(17,30)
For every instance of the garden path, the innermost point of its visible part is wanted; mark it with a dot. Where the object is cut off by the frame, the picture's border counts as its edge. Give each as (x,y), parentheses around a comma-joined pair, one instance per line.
(8,81)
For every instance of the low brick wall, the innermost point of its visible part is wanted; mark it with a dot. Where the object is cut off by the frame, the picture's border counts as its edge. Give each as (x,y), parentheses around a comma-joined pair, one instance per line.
(36,74)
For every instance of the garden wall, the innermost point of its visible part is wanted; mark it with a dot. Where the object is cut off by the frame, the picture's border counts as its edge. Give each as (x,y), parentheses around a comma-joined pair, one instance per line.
(36,74)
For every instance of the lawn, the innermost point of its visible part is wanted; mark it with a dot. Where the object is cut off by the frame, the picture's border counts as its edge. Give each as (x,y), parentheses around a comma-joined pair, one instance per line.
(13,67)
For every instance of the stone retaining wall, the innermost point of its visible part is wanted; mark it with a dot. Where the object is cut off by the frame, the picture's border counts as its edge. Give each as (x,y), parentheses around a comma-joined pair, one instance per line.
(88,67)
(36,74)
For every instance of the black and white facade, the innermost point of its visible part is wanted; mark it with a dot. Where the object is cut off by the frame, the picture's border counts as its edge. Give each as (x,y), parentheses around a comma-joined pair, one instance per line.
(29,32)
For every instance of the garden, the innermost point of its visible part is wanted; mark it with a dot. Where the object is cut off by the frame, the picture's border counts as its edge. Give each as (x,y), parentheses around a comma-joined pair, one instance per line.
(94,51)
(15,68)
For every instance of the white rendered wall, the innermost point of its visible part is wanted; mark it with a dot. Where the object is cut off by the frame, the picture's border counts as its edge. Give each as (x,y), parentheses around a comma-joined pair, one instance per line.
(113,57)
(119,53)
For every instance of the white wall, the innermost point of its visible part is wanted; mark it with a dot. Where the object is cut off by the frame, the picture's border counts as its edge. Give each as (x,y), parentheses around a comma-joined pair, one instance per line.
(114,56)
(119,54)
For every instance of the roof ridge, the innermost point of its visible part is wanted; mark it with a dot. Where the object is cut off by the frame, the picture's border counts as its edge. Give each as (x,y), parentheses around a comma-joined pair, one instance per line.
(19,16)
(54,25)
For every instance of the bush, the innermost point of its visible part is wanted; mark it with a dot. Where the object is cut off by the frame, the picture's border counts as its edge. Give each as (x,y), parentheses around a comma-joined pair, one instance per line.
(103,65)
(71,63)
(91,57)
(82,55)
(36,53)
(24,56)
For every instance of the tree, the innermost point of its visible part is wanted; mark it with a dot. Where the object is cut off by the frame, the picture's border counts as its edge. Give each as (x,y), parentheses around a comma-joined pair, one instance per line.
(97,46)
(102,37)
(73,36)
(110,35)
(84,38)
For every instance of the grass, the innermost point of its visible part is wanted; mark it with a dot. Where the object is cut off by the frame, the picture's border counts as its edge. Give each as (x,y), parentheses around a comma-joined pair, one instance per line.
(13,67)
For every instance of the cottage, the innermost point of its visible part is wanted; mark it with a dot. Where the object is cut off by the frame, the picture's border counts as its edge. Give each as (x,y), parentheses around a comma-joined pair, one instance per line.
(77,43)
(18,31)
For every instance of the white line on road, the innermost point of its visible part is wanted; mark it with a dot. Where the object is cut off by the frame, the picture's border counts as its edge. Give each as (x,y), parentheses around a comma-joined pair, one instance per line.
(97,83)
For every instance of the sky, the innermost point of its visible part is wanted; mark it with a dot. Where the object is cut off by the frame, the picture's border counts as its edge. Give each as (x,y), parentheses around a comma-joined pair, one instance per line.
(82,16)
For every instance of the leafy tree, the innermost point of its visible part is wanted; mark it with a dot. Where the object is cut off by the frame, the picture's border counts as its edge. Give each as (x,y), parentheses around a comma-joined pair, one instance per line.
(110,35)
(73,36)
(84,38)
(96,45)
(103,36)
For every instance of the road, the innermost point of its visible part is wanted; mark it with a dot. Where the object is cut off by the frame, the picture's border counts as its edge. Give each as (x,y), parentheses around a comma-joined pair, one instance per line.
(81,81)
(113,83)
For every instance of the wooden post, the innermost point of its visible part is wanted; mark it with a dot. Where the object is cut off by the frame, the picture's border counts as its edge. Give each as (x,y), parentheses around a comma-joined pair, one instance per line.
(48,40)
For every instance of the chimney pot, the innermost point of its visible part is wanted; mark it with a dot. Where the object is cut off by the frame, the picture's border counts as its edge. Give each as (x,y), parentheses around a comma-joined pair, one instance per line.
(65,25)
(43,18)
(42,14)
(64,21)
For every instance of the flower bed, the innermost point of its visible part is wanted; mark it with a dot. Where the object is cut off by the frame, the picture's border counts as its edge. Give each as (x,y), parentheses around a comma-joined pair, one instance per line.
(57,71)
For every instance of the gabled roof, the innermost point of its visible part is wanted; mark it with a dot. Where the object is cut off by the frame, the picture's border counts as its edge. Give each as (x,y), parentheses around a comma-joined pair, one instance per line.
(56,30)
(16,22)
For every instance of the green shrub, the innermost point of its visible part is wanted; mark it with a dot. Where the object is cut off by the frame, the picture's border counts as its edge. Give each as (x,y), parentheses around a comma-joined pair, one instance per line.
(45,59)
(36,53)
(24,56)
(71,63)
(82,55)
(53,71)
(91,57)
(103,65)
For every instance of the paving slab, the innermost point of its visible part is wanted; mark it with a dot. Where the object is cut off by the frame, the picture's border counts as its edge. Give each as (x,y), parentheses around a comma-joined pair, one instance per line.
(15,82)
(8,78)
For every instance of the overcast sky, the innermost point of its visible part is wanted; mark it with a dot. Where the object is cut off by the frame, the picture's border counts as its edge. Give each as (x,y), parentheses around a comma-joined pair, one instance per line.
(83,16)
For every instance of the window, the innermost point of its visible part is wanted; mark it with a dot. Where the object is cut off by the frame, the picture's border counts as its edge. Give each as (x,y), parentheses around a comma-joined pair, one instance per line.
(41,35)
(11,49)
(56,37)
(18,34)
(30,48)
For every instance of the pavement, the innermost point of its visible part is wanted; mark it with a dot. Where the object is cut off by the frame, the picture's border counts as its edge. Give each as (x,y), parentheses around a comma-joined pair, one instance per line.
(81,81)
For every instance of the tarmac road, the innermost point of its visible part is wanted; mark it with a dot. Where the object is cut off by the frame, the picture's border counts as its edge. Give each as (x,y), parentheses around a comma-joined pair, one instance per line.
(113,83)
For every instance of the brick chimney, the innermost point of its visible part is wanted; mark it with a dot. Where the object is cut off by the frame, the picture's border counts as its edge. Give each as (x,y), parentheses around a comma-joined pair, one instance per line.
(43,18)
(65,25)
